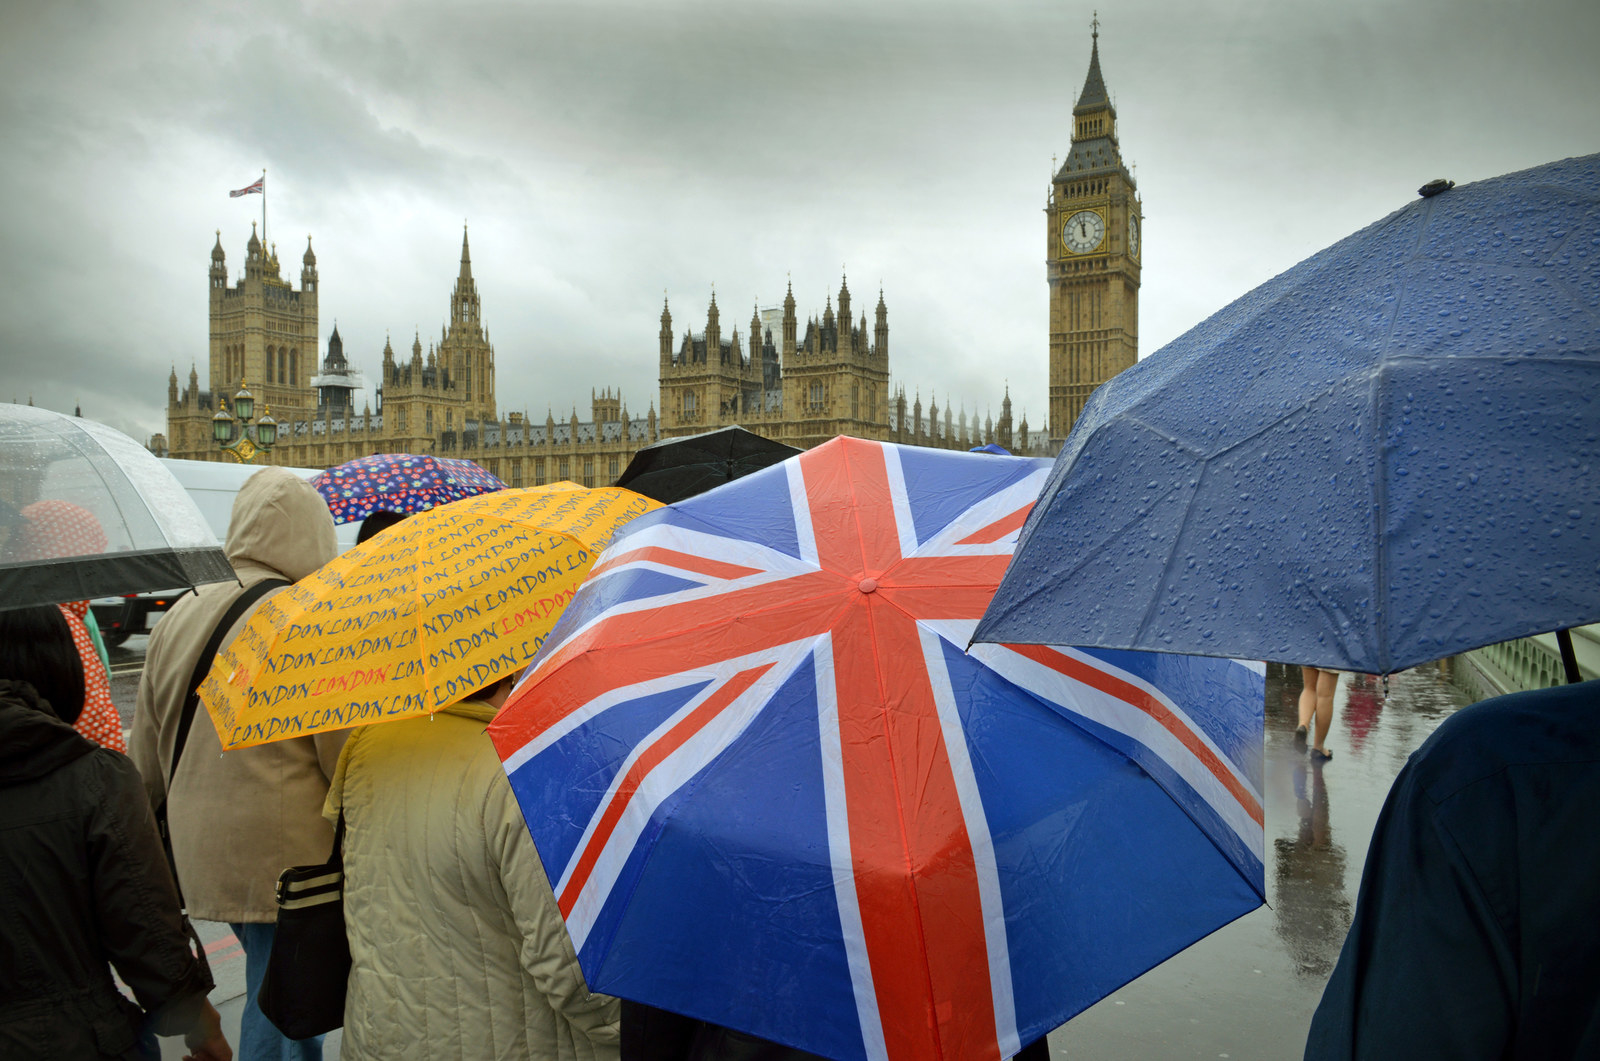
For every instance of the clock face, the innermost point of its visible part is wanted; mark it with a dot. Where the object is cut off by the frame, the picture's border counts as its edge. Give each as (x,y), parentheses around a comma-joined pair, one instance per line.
(1083,231)
(1133,235)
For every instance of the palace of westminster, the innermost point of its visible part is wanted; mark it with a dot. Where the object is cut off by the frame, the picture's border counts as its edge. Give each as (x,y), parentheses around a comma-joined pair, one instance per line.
(801,388)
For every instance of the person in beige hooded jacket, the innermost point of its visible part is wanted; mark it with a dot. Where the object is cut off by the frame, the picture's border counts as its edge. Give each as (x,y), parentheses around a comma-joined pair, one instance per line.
(238,820)
(458,951)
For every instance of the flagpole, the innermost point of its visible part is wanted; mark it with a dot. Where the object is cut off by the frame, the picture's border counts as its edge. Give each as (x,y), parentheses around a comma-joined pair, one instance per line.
(263,207)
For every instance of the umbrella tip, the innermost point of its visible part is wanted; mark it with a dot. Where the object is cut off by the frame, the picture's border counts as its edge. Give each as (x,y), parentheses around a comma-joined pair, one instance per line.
(1434,187)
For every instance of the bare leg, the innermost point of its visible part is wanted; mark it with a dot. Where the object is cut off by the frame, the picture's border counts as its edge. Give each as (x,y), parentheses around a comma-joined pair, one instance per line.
(1327,682)
(1308,695)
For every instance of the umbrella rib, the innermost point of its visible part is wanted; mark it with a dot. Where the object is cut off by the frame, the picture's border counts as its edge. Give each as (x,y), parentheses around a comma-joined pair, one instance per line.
(416,595)
(1380,502)
(900,803)
(1074,718)
(1172,551)
(1085,557)
(1380,451)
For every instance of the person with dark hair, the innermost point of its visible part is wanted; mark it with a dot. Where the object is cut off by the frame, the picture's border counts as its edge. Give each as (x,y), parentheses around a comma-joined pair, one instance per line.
(377,522)
(32,649)
(85,879)
(55,528)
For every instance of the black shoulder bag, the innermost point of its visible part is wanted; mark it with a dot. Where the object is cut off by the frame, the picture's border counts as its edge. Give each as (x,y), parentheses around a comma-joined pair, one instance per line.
(302,992)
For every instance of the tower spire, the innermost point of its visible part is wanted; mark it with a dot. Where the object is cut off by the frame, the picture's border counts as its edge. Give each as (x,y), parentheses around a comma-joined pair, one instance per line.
(1094,86)
(466,254)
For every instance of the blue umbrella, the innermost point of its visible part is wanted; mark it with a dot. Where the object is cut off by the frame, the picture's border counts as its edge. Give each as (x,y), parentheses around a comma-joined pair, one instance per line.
(1386,455)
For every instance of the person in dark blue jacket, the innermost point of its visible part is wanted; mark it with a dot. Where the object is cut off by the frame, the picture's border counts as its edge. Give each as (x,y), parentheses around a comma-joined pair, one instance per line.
(1477,929)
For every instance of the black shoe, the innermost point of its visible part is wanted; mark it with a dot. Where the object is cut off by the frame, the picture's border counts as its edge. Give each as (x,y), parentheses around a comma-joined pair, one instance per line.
(1300,737)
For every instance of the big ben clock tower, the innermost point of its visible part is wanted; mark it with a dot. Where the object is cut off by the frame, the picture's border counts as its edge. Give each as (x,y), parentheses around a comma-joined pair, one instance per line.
(1092,252)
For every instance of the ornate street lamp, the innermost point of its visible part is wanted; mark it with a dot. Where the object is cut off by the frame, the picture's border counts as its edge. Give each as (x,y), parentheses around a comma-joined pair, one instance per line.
(253,438)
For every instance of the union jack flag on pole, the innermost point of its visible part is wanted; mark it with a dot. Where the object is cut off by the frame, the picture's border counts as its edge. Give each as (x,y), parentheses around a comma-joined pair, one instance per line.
(258,188)
(772,790)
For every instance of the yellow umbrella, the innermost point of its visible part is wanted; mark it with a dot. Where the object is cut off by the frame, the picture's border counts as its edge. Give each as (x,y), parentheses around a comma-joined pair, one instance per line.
(425,613)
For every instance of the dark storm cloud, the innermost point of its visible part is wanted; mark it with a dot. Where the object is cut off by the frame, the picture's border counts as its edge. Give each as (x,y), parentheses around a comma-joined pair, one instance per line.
(603,152)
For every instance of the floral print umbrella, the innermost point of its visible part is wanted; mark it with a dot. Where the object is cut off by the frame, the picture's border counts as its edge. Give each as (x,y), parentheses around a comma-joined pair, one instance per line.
(399,482)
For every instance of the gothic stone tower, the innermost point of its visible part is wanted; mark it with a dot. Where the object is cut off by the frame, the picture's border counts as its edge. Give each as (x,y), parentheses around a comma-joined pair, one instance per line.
(263,331)
(465,352)
(803,391)
(836,379)
(709,381)
(1092,252)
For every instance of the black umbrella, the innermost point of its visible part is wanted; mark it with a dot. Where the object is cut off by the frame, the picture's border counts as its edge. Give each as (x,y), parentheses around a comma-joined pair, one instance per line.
(679,468)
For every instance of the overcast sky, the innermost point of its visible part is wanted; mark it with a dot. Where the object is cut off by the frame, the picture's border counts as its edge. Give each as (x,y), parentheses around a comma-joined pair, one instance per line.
(603,153)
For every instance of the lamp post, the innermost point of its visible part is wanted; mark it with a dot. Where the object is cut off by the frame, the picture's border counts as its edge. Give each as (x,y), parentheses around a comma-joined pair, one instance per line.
(254,438)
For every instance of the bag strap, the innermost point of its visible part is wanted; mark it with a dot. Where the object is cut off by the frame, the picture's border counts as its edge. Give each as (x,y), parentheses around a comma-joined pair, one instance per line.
(336,856)
(202,666)
(191,701)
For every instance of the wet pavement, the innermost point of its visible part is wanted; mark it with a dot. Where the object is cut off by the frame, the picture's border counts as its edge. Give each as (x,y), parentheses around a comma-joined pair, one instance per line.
(127,663)
(1247,992)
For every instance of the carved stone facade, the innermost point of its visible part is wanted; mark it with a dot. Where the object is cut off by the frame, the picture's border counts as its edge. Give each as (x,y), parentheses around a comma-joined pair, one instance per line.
(800,389)
(805,388)
(264,336)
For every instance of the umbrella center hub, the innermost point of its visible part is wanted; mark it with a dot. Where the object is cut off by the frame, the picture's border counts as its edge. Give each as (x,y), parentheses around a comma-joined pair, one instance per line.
(867,585)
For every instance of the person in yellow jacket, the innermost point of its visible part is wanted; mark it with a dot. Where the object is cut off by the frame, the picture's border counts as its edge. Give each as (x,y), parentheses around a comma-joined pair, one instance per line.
(457,947)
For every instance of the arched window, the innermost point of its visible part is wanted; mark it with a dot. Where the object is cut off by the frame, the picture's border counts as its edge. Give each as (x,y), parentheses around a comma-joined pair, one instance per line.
(267,374)
(283,358)
(294,368)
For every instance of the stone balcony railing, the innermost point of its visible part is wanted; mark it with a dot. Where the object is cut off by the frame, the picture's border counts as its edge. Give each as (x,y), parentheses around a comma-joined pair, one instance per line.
(1534,662)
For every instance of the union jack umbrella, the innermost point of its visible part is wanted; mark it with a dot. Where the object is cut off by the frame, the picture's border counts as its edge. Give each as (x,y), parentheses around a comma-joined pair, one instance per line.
(771,790)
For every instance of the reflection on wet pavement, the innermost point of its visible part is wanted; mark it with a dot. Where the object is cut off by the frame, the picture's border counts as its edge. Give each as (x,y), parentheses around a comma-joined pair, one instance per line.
(1248,990)
(1313,910)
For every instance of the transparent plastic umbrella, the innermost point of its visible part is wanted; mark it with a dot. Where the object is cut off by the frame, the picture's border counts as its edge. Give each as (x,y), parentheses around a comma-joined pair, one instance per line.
(85,511)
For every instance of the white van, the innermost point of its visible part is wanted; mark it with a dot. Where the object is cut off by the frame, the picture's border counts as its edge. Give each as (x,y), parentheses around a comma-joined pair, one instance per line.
(213,486)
